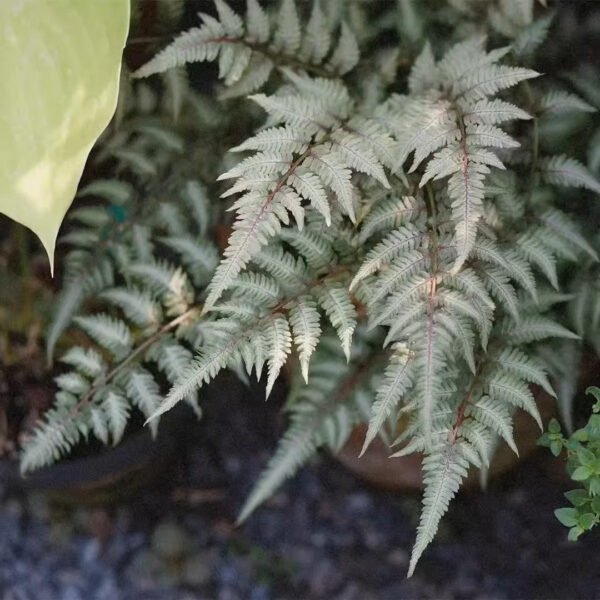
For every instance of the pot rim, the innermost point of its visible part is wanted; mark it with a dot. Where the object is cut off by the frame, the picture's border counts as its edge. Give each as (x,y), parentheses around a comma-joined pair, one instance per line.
(136,449)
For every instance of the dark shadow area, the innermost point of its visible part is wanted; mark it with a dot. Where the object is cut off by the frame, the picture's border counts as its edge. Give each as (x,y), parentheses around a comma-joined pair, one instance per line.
(325,535)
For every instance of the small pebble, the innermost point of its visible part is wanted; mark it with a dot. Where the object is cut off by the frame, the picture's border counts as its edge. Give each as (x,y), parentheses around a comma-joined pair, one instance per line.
(170,540)
(197,569)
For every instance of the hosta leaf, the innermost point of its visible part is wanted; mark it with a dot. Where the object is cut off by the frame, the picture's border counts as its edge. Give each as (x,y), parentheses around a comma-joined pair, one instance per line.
(60,63)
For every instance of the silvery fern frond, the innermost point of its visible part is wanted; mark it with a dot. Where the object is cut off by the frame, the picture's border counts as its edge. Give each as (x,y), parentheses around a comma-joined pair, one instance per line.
(564,171)
(139,301)
(559,101)
(453,123)
(322,413)
(248,50)
(260,327)
(443,471)
(305,322)
(398,379)
(277,180)
(408,248)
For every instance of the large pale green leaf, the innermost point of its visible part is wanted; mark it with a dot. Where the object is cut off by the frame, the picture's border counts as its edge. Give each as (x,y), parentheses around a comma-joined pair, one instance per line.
(59,70)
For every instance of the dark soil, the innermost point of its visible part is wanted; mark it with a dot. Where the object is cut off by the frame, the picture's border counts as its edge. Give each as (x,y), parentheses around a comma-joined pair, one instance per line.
(324,536)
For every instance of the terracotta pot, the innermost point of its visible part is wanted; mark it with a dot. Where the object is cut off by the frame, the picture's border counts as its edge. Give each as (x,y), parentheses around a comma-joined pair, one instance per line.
(376,468)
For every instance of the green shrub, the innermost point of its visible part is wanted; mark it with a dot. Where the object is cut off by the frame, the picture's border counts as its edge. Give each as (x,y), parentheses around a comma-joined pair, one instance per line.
(583,465)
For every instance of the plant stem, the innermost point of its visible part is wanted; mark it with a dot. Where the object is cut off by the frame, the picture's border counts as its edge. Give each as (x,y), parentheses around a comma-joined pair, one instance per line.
(136,353)
(434,226)
(278,58)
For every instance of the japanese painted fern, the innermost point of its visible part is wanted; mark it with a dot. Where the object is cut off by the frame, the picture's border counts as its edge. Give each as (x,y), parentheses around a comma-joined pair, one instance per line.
(139,259)
(425,232)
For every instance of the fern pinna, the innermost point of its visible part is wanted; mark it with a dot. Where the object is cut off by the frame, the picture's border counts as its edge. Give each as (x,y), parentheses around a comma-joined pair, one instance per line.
(135,309)
(413,216)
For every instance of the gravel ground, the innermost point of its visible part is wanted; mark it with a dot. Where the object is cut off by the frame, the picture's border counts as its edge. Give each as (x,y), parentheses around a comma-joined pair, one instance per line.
(324,536)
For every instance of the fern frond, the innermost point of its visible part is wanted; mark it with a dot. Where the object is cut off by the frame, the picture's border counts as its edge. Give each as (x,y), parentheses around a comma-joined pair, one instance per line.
(536,328)
(505,388)
(305,322)
(294,449)
(86,360)
(397,380)
(561,170)
(54,436)
(115,289)
(443,472)
(110,333)
(137,305)
(116,409)
(248,50)
(279,343)
(143,392)
(397,242)
(517,363)
(558,101)
(453,125)
(497,417)
(341,313)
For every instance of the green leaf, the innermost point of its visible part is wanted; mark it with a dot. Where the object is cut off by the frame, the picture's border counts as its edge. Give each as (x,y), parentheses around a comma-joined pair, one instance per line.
(577,497)
(581,435)
(594,391)
(60,63)
(586,457)
(554,426)
(556,447)
(593,426)
(574,533)
(572,446)
(594,485)
(544,440)
(581,474)
(587,521)
(567,516)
